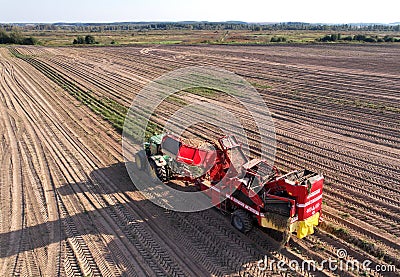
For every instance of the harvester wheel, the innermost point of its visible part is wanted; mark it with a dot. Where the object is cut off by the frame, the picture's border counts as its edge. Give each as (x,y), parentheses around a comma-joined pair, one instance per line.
(141,160)
(241,220)
(162,174)
(159,172)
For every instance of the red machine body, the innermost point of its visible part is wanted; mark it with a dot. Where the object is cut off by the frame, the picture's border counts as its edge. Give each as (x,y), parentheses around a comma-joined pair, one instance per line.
(234,182)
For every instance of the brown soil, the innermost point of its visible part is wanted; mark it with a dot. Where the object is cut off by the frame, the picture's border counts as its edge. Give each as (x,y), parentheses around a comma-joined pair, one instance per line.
(69,208)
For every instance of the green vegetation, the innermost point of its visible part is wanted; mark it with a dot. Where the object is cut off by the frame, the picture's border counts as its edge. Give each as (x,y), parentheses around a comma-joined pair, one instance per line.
(368,105)
(344,215)
(79,40)
(340,231)
(359,103)
(166,42)
(201,91)
(261,86)
(363,244)
(176,99)
(278,39)
(89,39)
(318,246)
(16,38)
(358,37)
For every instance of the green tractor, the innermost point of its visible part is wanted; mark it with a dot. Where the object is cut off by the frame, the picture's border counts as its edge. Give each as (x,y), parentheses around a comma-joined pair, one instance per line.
(153,156)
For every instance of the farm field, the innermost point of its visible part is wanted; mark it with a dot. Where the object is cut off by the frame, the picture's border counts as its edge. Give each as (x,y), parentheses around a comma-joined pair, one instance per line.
(142,36)
(69,208)
(65,38)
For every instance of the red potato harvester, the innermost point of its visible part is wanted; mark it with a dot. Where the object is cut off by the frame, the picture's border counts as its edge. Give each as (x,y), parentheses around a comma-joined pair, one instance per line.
(251,190)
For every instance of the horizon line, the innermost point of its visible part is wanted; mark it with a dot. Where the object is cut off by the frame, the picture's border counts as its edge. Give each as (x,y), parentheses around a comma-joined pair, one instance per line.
(205,21)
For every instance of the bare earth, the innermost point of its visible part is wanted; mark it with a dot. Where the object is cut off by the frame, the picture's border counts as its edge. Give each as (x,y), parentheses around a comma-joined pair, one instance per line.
(68,207)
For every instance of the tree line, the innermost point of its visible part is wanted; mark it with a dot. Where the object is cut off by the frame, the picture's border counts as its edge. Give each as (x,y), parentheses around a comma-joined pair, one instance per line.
(16,38)
(236,25)
(358,37)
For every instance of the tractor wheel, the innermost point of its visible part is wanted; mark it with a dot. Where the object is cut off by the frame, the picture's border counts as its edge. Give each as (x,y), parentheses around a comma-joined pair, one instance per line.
(241,220)
(159,172)
(141,160)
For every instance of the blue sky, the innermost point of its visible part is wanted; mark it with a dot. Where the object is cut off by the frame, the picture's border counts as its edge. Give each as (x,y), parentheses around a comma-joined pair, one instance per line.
(314,11)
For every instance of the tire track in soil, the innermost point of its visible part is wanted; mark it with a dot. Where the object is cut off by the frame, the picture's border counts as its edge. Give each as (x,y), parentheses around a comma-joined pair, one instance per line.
(42,188)
(77,249)
(20,262)
(17,206)
(80,247)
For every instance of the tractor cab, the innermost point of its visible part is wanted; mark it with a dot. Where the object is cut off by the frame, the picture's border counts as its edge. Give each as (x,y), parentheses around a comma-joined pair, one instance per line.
(153,147)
